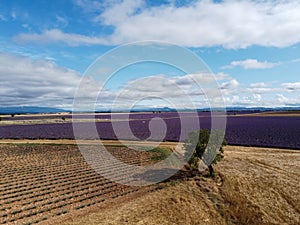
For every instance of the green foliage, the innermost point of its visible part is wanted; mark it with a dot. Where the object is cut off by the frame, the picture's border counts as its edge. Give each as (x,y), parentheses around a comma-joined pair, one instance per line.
(205,145)
(160,153)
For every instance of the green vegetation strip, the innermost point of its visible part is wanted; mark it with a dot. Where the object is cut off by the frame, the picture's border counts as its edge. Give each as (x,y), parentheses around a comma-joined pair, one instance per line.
(160,152)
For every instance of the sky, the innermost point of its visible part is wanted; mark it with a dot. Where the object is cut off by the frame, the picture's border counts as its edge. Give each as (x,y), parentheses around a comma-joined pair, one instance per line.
(251,47)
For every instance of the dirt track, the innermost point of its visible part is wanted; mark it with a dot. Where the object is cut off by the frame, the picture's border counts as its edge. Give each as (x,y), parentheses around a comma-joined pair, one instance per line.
(283,113)
(171,145)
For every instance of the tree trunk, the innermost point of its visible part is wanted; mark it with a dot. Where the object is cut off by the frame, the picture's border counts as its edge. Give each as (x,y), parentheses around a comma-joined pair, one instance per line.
(211,170)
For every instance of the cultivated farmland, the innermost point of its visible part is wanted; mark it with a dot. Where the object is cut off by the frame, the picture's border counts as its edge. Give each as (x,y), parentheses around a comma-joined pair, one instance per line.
(43,182)
(263,129)
(49,183)
(256,186)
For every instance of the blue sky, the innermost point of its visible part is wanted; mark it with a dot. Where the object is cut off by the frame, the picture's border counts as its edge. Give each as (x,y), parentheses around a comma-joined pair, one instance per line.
(252,47)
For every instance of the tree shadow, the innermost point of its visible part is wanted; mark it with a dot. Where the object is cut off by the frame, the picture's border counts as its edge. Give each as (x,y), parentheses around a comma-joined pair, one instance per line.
(157,176)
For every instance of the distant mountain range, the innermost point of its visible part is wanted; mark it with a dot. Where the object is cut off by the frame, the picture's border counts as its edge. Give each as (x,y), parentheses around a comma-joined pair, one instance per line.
(262,109)
(35,110)
(228,109)
(29,110)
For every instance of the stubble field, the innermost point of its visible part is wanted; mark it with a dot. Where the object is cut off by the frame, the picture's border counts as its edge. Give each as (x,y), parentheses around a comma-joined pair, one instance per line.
(254,186)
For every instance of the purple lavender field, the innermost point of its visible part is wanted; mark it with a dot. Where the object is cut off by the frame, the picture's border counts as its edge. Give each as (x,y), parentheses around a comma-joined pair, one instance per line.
(248,130)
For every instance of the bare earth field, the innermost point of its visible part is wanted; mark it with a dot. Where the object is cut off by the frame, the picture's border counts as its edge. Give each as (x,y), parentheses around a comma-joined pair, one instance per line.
(41,182)
(52,184)
(255,186)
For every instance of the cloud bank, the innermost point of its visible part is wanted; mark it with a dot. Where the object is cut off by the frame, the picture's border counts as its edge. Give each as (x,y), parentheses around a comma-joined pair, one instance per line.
(26,82)
(251,64)
(231,24)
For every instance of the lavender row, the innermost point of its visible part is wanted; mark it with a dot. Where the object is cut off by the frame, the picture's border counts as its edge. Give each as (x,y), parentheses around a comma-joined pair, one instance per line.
(281,132)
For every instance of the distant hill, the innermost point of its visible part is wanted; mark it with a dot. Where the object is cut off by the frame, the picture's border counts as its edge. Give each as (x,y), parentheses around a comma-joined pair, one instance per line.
(162,109)
(228,109)
(29,110)
(261,109)
(252,109)
(36,109)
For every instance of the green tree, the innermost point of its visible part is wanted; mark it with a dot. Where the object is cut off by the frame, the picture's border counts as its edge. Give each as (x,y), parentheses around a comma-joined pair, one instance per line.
(205,146)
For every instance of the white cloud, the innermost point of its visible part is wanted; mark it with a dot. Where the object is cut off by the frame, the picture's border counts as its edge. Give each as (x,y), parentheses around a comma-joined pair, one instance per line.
(199,78)
(230,85)
(251,64)
(179,90)
(253,101)
(258,85)
(57,36)
(292,86)
(24,81)
(168,87)
(232,24)
(288,101)
(261,88)
(115,14)
(182,88)
(236,100)
(204,23)
(27,82)
(257,97)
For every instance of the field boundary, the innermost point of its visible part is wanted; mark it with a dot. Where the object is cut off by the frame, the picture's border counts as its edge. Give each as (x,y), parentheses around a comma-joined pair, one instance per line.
(89,142)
